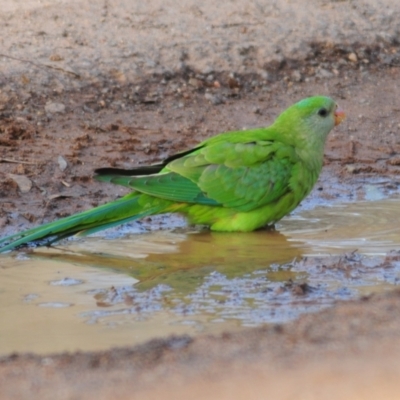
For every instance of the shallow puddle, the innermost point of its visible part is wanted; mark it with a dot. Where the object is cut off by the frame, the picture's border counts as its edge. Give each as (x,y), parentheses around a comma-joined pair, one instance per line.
(96,293)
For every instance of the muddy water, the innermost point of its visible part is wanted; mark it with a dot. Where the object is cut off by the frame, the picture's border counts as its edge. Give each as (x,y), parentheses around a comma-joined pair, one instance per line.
(98,293)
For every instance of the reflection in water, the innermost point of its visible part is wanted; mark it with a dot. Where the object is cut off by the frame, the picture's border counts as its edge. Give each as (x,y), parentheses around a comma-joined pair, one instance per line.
(181,260)
(131,289)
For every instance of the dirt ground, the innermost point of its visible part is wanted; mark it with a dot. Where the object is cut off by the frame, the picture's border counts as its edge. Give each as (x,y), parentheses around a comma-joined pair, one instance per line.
(91,84)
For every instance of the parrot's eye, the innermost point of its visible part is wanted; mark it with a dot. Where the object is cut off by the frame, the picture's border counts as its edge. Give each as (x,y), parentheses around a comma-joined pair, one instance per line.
(323,112)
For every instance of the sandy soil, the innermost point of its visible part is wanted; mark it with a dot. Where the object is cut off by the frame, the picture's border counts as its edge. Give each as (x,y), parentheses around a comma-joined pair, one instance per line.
(90,84)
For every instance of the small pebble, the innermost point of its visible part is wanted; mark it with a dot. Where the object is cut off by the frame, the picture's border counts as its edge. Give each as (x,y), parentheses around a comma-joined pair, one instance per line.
(353,57)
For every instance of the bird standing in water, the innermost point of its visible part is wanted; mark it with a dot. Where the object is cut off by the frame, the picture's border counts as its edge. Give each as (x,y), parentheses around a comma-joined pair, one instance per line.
(235,181)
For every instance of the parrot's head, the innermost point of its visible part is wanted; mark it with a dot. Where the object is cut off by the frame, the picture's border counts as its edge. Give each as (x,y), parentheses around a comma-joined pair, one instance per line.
(321,112)
(310,120)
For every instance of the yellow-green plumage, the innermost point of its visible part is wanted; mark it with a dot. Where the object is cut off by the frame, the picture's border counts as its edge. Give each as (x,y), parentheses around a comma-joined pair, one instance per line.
(235,181)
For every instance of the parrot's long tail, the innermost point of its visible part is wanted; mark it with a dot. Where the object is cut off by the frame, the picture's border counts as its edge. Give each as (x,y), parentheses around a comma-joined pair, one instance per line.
(132,206)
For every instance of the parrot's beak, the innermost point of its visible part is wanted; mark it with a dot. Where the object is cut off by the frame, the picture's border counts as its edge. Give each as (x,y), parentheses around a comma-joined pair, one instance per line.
(339,116)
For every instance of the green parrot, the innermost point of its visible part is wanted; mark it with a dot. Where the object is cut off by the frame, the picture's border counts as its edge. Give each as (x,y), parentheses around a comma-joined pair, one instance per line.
(235,181)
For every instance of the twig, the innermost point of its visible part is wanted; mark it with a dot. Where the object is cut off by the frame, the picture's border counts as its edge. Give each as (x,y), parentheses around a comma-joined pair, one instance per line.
(9,160)
(41,65)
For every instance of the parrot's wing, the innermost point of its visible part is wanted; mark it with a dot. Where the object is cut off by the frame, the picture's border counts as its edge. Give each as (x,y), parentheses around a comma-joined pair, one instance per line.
(242,176)
(246,188)
(168,185)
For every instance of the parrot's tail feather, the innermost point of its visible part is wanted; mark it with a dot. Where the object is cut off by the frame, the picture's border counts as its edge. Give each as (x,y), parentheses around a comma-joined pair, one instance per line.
(129,208)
